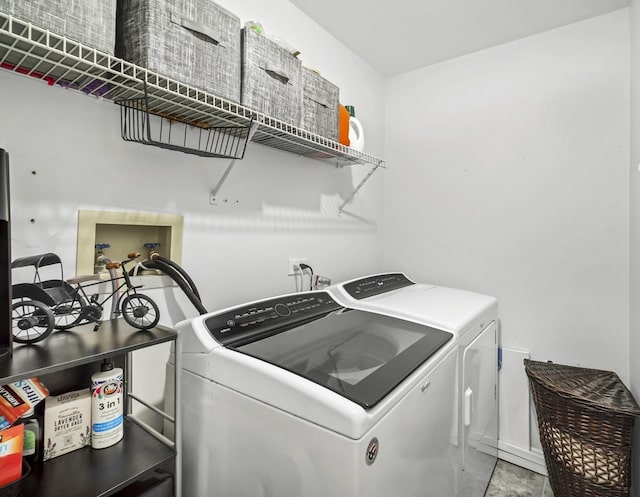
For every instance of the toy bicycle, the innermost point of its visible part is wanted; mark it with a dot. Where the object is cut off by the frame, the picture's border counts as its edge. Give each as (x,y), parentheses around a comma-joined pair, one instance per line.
(42,306)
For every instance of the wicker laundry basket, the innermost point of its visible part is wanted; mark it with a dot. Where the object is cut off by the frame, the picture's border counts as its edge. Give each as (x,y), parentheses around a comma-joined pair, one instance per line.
(585,417)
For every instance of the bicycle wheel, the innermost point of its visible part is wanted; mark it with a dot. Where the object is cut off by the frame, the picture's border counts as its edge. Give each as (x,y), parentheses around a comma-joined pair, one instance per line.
(69,314)
(31,321)
(140,311)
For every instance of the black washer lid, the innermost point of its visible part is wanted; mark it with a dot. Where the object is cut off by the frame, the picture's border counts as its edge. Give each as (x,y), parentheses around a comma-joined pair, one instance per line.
(360,355)
(376,285)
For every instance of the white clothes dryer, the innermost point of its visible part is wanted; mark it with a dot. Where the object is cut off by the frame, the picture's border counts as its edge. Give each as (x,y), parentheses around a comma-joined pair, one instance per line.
(472,318)
(299,396)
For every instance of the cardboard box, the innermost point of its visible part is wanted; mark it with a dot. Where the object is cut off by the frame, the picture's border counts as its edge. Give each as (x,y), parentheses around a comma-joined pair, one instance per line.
(31,389)
(67,423)
(11,454)
(18,397)
(12,406)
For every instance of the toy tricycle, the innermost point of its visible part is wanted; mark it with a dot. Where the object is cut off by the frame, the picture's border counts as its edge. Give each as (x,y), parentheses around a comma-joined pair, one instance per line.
(41,306)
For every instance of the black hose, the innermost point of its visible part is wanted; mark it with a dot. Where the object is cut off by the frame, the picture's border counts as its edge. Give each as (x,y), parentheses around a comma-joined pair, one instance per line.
(179,279)
(185,275)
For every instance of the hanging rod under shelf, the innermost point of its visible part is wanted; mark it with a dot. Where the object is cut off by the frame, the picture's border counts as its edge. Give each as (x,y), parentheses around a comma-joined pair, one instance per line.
(141,123)
(37,52)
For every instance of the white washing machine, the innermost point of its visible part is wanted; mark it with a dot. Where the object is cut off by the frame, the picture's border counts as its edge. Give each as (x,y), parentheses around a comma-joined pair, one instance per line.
(472,318)
(298,396)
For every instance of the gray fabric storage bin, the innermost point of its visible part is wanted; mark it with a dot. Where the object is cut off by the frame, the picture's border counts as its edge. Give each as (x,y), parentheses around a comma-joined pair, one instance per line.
(320,99)
(196,42)
(91,22)
(271,78)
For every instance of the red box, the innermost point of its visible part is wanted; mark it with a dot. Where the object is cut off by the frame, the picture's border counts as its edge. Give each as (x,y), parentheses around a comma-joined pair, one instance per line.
(11,454)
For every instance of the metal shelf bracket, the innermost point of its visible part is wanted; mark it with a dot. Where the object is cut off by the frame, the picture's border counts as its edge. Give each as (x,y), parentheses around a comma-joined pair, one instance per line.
(364,180)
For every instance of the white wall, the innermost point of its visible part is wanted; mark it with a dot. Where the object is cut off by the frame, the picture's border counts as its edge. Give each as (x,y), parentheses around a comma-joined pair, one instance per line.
(508,175)
(287,204)
(634,177)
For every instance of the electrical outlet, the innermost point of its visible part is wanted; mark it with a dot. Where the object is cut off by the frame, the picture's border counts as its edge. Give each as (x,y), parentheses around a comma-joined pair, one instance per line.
(293,263)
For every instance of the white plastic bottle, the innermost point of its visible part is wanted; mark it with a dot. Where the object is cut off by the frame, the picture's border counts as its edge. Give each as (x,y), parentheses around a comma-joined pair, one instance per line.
(106,406)
(356,132)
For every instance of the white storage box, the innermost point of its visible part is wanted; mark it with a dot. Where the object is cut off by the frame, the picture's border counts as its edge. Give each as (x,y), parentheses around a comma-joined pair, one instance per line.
(196,42)
(91,22)
(271,78)
(67,423)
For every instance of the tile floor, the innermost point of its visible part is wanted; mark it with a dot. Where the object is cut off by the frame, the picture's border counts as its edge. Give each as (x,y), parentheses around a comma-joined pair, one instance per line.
(509,480)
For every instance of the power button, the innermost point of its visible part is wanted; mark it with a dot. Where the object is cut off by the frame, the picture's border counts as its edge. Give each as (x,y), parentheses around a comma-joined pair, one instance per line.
(282,310)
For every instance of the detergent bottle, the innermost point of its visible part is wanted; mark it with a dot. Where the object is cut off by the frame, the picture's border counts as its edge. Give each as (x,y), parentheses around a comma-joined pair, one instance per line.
(343,125)
(356,133)
(107,412)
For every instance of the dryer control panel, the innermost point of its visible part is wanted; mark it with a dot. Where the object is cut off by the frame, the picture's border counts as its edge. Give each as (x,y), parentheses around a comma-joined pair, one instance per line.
(255,321)
(375,285)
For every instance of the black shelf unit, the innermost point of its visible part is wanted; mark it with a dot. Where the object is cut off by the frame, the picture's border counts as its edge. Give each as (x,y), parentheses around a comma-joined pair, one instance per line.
(5,259)
(89,472)
(100,473)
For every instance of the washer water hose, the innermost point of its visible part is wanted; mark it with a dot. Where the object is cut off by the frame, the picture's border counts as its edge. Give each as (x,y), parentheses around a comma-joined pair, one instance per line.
(179,275)
(157,257)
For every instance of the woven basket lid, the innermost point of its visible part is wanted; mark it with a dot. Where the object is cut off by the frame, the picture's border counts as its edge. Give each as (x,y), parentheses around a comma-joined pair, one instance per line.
(593,387)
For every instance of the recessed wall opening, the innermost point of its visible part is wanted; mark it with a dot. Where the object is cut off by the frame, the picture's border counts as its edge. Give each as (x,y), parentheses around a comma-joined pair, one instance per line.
(126,232)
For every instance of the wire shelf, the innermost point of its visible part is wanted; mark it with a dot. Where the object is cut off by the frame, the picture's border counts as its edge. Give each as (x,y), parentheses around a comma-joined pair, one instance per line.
(36,52)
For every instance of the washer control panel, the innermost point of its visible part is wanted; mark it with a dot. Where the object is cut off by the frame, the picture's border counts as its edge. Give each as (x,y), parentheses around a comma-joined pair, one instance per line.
(375,285)
(268,317)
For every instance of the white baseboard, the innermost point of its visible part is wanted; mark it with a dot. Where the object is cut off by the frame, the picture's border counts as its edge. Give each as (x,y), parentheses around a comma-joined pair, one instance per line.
(532,460)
